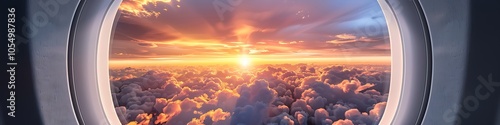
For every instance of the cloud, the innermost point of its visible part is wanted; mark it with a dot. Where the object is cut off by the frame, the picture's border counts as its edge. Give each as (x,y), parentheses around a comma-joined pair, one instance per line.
(271,94)
(317,102)
(345,36)
(213,117)
(343,122)
(301,105)
(321,117)
(337,111)
(253,102)
(181,112)
(377,111)
(282,119)
(144,118)
(302,117)
(133,32)
(336,74)
(188,93)
(140,7)
(341,41)
(353,86)
(277,110)
(150,45)
(121,112)
(350,38)
(358,117)
(259,91)
(262,27)
(225,99)
(250,114)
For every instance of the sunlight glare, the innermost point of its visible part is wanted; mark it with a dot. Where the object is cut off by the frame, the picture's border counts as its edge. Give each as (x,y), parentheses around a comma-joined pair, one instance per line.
(244,61)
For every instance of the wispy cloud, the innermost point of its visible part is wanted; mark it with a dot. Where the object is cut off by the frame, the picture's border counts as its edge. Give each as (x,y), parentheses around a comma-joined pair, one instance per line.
(254,27)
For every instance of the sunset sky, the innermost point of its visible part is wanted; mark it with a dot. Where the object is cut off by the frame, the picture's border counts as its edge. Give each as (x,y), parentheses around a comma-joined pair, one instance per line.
(256,30)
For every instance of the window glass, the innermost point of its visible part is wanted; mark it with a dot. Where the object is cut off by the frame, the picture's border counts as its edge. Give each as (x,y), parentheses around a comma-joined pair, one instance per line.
(253,62)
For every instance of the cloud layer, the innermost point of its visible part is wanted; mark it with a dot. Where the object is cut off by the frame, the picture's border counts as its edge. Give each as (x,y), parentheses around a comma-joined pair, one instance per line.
(273,94)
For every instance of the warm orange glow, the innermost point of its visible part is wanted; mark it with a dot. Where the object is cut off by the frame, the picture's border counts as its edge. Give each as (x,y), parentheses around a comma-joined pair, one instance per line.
(247,61)
(182,36)
(137,7)
(223,62)
(244,61)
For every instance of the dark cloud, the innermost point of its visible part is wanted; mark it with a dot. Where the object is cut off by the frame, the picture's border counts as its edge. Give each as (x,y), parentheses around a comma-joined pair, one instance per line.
(152,45)
(283,119)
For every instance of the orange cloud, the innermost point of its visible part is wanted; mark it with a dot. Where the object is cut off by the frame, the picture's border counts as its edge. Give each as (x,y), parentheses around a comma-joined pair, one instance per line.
(341,41)
(162,118)
(144,118)
(132,123)
(343,122)
(213,115)
(354,85)
(169,111)
(345,36)
(219,94)
(137,7)
(378,110)
(243,32)
(257,51)
(350,38)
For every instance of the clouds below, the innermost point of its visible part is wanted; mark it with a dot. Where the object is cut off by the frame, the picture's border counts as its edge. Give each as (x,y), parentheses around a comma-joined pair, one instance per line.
(273,95)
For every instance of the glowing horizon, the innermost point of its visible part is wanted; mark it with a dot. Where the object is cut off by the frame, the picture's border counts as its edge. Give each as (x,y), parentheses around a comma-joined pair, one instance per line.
(187,30)
(251,61)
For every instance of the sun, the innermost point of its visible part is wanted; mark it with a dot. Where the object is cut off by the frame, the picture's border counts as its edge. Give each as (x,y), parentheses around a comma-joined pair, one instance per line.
(244,61)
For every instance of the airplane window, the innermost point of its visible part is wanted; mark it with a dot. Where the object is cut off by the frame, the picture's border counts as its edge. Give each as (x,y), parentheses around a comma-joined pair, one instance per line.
(251,62)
